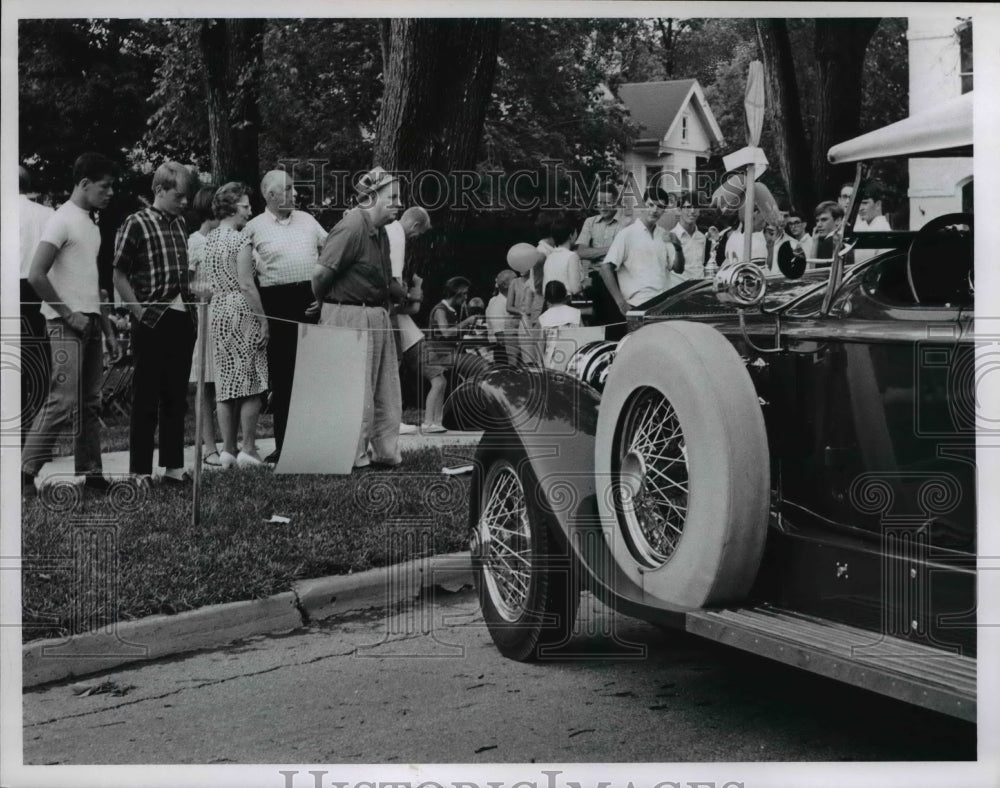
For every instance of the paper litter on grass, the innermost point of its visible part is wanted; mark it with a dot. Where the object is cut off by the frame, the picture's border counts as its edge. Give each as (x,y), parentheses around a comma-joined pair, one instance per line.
(457,470)
(278,518)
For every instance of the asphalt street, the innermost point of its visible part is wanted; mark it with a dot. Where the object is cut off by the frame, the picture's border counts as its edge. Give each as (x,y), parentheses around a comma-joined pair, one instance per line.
(426,685)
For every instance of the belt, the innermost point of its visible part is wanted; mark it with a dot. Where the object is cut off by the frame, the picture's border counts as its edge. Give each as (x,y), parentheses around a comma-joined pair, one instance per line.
(370,304)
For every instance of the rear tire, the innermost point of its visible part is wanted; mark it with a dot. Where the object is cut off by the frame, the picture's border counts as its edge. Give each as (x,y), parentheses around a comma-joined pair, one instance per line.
(526,583)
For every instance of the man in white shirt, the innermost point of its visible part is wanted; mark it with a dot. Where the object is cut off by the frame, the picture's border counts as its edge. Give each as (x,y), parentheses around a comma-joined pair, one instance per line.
(34,342)
(413,223)
(758,244)
(286,244)
(64,274)
(870,219)
(691,239)
(642,262)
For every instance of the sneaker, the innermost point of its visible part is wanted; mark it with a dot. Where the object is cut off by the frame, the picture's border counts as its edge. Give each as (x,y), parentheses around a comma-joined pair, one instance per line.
(247,460)
(227,460)
(432,428)
(408,429)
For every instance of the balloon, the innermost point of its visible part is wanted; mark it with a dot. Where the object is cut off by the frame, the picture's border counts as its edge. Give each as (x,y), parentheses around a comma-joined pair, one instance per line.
(522,257)
(728,198)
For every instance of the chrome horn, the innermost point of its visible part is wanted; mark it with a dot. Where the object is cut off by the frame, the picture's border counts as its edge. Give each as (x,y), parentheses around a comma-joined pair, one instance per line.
(743,284)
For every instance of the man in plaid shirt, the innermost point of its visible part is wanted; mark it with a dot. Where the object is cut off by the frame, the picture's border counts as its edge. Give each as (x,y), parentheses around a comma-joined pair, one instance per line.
(151,276)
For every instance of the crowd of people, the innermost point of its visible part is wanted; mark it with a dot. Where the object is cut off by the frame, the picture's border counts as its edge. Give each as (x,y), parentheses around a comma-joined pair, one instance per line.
(264,275)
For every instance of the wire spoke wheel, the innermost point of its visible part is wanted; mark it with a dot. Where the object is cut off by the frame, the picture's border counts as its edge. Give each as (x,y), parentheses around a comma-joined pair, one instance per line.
(505,535)
(652,496)
(527,586)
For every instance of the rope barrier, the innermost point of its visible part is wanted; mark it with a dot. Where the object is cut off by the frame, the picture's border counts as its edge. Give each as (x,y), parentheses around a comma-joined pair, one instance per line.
(196,304)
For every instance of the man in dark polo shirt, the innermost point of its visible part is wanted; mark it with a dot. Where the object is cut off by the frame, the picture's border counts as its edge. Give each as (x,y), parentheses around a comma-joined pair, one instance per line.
(352,280)
(151,276)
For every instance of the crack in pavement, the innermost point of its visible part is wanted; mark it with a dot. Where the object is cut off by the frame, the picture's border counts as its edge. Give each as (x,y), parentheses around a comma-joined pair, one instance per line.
(178,691)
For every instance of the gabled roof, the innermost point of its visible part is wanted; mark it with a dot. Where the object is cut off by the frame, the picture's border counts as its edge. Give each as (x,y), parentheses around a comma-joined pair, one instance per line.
(655,106)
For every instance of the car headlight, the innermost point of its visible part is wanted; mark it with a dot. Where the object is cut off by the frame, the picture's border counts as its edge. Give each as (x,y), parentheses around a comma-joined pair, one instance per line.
(743,284)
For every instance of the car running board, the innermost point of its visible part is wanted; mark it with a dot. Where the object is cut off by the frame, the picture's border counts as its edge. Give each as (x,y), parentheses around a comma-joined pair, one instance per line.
(912,672)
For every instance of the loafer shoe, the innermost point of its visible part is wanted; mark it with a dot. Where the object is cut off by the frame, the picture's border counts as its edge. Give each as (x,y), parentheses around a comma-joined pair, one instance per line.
(184,480)
(96,482)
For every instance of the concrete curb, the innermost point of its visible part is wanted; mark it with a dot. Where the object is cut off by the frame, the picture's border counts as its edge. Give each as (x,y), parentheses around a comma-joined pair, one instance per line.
(149,638)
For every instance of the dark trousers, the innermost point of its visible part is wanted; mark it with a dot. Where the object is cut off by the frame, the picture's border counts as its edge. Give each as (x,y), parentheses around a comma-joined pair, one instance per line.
(35,363)
(159,389)
(284,306)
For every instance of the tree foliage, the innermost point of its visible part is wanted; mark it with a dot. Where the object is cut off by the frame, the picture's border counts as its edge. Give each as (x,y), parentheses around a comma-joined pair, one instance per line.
(136,89)
(83,85)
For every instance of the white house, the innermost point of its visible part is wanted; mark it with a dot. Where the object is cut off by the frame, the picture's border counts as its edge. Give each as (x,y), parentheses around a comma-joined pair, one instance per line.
(940,60)
(676,128)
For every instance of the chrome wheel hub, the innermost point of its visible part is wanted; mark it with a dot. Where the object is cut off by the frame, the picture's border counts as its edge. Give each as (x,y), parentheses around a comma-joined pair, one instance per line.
(652,476)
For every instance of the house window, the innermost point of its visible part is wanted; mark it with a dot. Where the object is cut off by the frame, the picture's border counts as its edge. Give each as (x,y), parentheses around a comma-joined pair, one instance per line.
(964,33)
(684,127)
(654,175)
(686,180)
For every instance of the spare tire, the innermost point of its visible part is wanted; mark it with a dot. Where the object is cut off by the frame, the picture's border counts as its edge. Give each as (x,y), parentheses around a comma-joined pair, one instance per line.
(682,457)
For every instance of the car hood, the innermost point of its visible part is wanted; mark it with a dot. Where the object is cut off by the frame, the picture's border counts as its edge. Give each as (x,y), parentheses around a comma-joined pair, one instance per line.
(698,299)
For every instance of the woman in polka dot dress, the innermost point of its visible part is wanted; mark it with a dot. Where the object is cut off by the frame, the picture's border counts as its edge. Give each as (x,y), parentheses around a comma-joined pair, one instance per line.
(239,328)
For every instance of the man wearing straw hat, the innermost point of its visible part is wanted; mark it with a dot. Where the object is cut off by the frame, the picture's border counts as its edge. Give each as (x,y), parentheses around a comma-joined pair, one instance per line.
(353,281)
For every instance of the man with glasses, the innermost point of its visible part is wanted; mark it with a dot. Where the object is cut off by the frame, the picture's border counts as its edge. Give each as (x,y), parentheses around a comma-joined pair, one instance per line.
(844,198)
(353,280)
(795,227)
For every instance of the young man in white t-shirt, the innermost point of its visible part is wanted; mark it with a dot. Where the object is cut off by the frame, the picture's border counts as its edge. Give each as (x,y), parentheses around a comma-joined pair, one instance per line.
(64,274)
(643,260)
(563,264)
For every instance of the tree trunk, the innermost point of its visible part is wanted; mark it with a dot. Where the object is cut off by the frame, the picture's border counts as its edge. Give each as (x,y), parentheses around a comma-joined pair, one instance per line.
(840,46)
(784,110)
(438,75)
(232,51)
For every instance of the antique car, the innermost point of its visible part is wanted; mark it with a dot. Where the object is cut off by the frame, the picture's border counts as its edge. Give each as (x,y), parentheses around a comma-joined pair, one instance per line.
(783,465)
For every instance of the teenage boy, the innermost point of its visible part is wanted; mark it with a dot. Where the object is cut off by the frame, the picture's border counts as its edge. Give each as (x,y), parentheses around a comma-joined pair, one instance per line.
(64,274)
(151,276)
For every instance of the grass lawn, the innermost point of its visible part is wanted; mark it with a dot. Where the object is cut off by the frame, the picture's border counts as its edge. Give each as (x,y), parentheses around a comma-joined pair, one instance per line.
(92,561)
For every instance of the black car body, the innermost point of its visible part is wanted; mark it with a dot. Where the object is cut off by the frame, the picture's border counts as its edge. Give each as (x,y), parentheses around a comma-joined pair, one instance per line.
(793,475)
